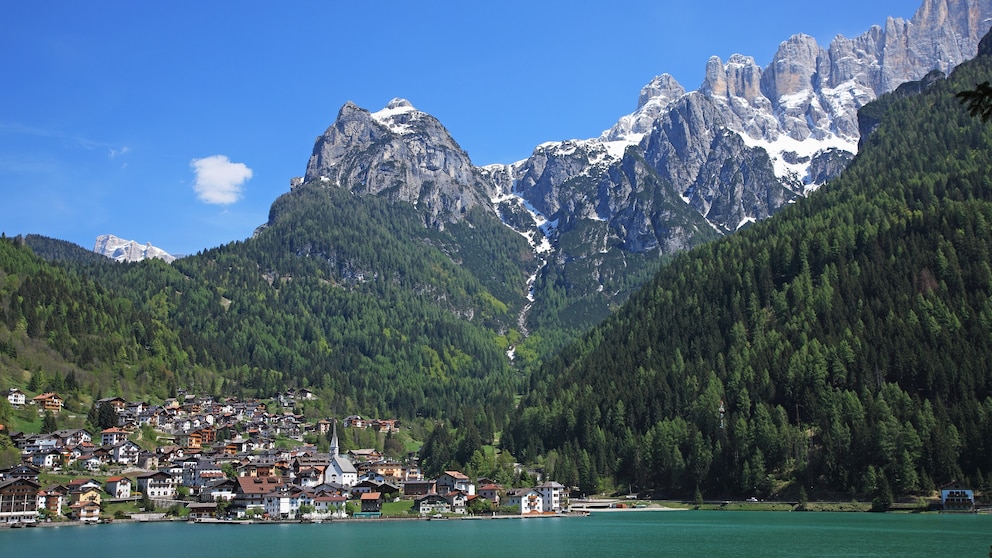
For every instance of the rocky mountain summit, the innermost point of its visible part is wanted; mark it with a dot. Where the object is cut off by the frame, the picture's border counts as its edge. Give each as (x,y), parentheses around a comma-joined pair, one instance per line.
(122,250)
(801,110)
(401,153)
(683,168)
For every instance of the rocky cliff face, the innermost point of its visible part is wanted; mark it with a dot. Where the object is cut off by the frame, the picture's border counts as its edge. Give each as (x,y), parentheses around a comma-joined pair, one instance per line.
(682,168)
(128,250)
(401,153)
(801,110)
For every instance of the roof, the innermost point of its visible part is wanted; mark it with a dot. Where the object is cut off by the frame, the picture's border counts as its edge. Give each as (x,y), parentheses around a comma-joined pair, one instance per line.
(343,465)
(371,495)
(457,474)
(330,498)
(259,485)
(154,474)
(20,480)
(433,496)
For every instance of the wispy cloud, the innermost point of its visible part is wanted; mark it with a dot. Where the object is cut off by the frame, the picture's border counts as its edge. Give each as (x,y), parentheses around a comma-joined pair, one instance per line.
(115,153)
(218,180)
(7,128)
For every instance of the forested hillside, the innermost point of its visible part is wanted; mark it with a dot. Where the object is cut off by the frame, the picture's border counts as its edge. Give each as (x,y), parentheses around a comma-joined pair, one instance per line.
(62,331)
(840,348)
(350,296)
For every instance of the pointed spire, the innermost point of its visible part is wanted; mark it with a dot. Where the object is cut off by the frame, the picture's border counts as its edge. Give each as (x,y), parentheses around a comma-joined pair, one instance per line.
(334,449)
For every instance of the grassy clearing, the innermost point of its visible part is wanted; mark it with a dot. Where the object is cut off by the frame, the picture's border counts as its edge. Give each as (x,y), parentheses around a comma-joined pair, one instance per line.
(402,508)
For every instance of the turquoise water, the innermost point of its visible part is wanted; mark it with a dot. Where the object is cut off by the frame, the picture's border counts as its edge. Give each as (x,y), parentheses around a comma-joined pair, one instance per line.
(684,533)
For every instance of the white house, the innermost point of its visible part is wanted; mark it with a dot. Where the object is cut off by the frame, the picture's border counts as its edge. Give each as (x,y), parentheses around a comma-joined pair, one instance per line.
(90,462)
(158,484)
(429,504)
(285,502)
(527,500)
(199,472)
(220,489)
(450,481)
(118,487)
(543,498)
(16,398)
(125,453)
(459,501)
(113,436)
(39,443)
(330,505)
(551,495)
(956,497)
(72,437)
(47,459)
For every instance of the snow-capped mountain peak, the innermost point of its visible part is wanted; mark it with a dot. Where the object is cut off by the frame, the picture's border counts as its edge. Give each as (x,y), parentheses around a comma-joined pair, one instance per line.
(122,250)
(398,116)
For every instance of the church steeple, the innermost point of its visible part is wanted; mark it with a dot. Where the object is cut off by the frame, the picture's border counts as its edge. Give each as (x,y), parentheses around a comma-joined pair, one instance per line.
(334,449)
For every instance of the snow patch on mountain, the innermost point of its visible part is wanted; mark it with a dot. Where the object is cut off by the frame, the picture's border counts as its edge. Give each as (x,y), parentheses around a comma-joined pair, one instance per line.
(122,250)
(398,116)
(791,157)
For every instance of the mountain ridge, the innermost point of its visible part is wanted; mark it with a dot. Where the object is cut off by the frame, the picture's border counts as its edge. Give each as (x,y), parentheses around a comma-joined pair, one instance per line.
(683,168)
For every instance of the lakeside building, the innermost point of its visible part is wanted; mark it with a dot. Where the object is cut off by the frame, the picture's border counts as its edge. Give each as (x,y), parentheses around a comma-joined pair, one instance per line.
(208,440)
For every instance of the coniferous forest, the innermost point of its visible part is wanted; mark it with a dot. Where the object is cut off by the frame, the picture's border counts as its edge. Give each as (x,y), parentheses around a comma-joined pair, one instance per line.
(838,349)
(350,297)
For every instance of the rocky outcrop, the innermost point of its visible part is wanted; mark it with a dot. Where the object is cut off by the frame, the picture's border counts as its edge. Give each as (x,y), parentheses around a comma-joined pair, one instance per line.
(654,100)
(801,110)
(400,153)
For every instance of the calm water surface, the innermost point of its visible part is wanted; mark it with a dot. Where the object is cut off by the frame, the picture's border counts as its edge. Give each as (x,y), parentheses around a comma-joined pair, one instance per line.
(682,533)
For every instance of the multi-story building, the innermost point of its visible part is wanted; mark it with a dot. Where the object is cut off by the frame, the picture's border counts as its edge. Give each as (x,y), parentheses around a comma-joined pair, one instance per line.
(19,500)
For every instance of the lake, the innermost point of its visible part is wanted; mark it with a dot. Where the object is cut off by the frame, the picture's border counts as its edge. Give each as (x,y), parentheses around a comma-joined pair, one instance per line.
(649,533)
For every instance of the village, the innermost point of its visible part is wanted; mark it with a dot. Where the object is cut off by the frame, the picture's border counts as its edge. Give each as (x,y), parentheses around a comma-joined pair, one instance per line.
(220,462)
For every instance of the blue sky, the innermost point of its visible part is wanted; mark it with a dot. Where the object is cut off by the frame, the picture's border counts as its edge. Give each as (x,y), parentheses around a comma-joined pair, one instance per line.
(179,123)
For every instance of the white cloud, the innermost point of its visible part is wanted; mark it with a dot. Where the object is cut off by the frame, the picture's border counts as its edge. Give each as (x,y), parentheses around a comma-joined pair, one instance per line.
(218,180)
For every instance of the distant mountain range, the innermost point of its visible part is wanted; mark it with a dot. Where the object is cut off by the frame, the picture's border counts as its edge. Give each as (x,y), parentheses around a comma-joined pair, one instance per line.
(122,250)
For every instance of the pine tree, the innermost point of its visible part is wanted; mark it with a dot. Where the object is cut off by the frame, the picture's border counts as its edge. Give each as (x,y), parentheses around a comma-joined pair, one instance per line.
(106,417)
(49,424)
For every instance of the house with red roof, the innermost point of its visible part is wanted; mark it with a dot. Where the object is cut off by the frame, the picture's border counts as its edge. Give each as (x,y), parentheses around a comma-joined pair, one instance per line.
(49,402)
(371,504)
(118,487)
